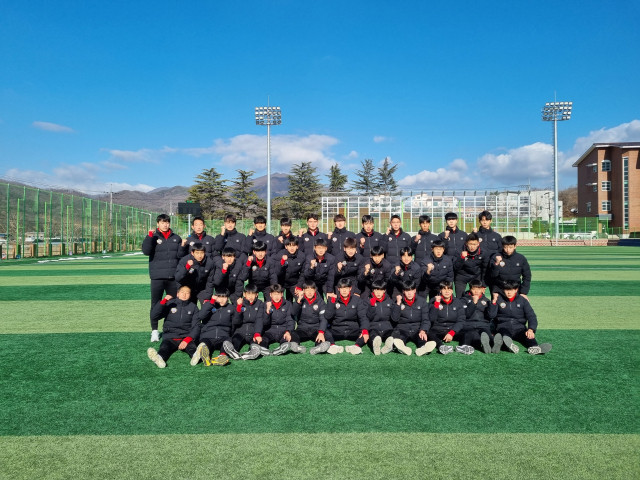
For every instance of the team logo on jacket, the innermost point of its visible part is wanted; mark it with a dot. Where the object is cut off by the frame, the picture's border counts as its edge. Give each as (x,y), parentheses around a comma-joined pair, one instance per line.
(502,264)
(254,268)
(192,243)
(402,274)
(338,305)
(255,240)
(517,264)
(188,313)
(174,240)
(159,241)
(315,307)
(503,305)
(373,270)
(335,239)
(402,307)
(480,239)
(483,302)
(518,305)
(306,239)
(256,308)
(228,311)
(390,238)
(454,308)
(344,264)
(440,307)
(174,310)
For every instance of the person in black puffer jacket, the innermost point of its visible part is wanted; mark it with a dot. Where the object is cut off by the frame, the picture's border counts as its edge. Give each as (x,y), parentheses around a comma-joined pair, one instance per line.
(511,266)
(194,271)
(453,238)
(471,264)
(477,326)
(230,237)
(379,314)
(260,234)
(396,240)
(368,237)
(339,235)
(421,243)
(199,235)
(447,315)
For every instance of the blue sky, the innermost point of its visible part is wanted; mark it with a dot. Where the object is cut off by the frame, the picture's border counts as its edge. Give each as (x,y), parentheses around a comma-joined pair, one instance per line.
(147,94)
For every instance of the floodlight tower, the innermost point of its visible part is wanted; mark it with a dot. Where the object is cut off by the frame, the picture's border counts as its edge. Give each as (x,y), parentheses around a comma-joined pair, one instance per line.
(268,116)
(556,112)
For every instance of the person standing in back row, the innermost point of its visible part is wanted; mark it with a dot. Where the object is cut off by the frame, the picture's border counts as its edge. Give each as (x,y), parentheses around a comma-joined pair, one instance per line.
(397,239)
(453,238)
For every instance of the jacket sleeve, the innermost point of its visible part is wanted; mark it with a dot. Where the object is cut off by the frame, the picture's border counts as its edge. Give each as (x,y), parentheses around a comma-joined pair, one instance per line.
(331,276)
(247,245)
(330,310)
(449,275)
(471,307)
(363,317)
(494,270)
(361,276)
(384,242)
(484,268)
(459,320)
(321,314)
(395,313)
(182,272)
(244,272)
(149,245)
(274,271)
(425,321)
(433,313)
(159,311)
(526,277)
(308,272)
(260,319)
(295,308)
(458,262)
(492,310)
(530,315)
(218,243)
(371,311)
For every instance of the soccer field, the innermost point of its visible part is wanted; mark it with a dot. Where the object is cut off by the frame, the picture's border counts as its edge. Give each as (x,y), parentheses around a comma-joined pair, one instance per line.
(80,399)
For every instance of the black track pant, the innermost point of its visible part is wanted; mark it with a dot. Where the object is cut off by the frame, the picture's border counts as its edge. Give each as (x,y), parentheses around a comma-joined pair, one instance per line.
(409,336)
(433,292)
(471,336)
(461,286)
(437,334)
(289,293)
(302,335)
(373,333)
(169,346)
(241,339)
(215,343)
(335,335)
(158,289)
(518,336)
(273,336)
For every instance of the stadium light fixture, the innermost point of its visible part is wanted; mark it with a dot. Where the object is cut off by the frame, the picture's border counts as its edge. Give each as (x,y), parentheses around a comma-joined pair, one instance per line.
(268,116)
(556,112)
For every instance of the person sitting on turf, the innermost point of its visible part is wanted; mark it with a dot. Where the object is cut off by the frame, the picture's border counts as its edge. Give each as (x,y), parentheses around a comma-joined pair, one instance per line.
(411,316)
(339,235)
(307,239)
(515,320)
(230,237)
(181,317)
(369,238)
(510,266)
(477,325)
(321,267)
(217,318)
(199,235)
(285,233)
(437,268)
(447,315)
(407,269)
(453,238)
(396,240)
(490,241)
(374,269)
(194,270)
(379,313)
(291,260)
(225,275)
(309,308)
(279,323)
(348,263)
(164,249)
(260,269)
(250,321)
(471,264)
(347,316)
(260,234)
(421,243)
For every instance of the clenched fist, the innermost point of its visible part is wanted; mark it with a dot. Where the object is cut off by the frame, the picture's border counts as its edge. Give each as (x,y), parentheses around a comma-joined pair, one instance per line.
(329,235)
(417,237)
(301,232)
(398,269)
(362,242)
(240,301)
(280,239)
(225,266)
(250,258)
(313,263)
(367,267)
(498,259)
(339,266)
(251,230)
(268,307)
(168,297)
(446,234)
(184,242)
(494,298)
(284,258)
(190,263)
(430,268)
(399,299)
(464,254)
(438,298)
(475,230)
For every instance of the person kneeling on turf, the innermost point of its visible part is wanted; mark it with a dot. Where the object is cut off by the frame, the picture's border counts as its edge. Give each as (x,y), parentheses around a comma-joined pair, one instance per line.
(347,315)
(279,323)
(309,308)
(250,321)
(447,315)
(515,320)
(216,321)
(181,319)
(477,326)
(194,271)
(411,315)
(379,314)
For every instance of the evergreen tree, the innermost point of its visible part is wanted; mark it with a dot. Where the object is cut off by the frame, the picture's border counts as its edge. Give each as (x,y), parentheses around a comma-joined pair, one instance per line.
(280,207)
(386,182)
(337,181)
(244,199)
(209,191)
(305,190)
(367,179)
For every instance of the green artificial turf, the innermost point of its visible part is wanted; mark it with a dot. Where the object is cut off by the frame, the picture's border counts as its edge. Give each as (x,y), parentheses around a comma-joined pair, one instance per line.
(102,384)
(371,456)
(73,272)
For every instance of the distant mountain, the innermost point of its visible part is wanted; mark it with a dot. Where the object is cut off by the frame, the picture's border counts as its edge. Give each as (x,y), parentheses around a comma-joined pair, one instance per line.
(279,185)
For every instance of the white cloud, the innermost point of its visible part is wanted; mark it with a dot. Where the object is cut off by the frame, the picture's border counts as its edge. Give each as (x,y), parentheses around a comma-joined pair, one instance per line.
(143,155)
(380,139)
(518,164)
(452,176)
(114,166)
(353,154)
(52,127)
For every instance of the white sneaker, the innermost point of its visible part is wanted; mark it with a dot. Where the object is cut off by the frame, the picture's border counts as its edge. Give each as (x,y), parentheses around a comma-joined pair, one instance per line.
(377,343)
(155,336)
(155,358)
(401,347)
(354,349)
(388,346)
(426,348)
(197,355)
(333,349)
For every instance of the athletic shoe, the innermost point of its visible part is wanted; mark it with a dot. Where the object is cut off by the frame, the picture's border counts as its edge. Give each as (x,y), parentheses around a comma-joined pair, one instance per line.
(426,348)
(510,345)
(466,349)
(484,340)
(282,349)
(388,346)
(401,347)
(155,336)
(540,349)
(323,347)
(155,358)
(220,360)
(445,349)
(205,354)
(377,343)
(230,350)
(265,352)
(197,355)
(354,349)
(253,353)
(295,347)
(333,349)
(497,343)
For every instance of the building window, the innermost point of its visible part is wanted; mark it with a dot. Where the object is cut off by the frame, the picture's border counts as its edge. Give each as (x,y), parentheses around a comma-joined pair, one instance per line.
(595,168)
(588,207)
(606,165)
(595,187)
(625,190)
(606,186)
(606,206)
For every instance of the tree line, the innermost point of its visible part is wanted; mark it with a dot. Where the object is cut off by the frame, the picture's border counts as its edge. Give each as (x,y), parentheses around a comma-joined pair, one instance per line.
(218,196)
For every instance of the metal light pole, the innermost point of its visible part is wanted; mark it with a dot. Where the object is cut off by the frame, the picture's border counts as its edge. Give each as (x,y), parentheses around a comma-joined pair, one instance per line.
(556,112)
(268,116)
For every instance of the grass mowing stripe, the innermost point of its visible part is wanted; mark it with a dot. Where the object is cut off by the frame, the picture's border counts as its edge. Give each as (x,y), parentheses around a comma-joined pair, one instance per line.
(84,316)
(601,275)
(104,384)
(313,456)
(65,272)
(75,280)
